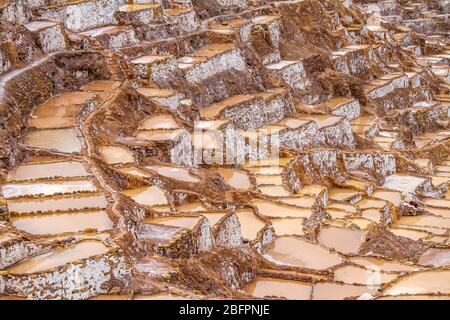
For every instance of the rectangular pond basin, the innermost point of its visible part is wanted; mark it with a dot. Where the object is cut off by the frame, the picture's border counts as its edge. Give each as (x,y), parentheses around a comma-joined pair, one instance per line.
(52,224)
(61,203)
(60,257)
(66,169)
(272,287)
(61,140)
(47,188)
(149,196)
(272,209)
(250,223)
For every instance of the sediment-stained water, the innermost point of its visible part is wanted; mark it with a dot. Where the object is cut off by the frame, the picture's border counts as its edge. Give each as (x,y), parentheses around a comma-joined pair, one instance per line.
(297,252)
(149,196)
(51,224)
(47,188)
(421,283)
(60,257)
(267,287)
(342,240)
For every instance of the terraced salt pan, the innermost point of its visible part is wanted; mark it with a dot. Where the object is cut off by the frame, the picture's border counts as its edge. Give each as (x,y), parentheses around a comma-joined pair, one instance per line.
(70,98)
(47,188)
(324,121)
(5,237)
(52,122)
(149,59)
(383,265)
(185,63)
(269,180)
(269,163)
(343,240)
(388,134)
(384,140)
(270,287)
(11,298)
(293,123)
(164,121)
(363,121)
(178,222)
(435,257)
(288,226)
(443,174)
(439,212)
(303,202)
(414,234)
(103,30)
(63,203)
(266,170)
(176,173)
(191,207)
(417,228)
(415,297)
(207,140)
(160,135)
(337,214)
(134,171)
(439,203)
(312,190)
(149,196)
(422,162)
(46,111)
(214,110)
(60,257)
(433,281)
(340,194)
(115,297)
(116,155)
(371,203)
(86,235)
(163,209)
(37,25)
(274,191)
(443,168)
(160,296)
(104,89)
(52,224)
(213,217)
(229,25)
(69,169)
(267,130)
(275,210)
(348,208)
(158,233)
(62,140)
(430,221)
(238,179)
(420,142)
(439,239)
(359,185)
(391,196)
(363,224)
(101,86)
(362,276)
(404,184)
(301,253)
(338,291)
(250,223)
(156,92)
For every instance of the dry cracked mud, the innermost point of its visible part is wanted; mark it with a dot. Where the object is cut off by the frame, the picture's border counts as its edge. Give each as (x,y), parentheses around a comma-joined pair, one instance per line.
(212,149)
